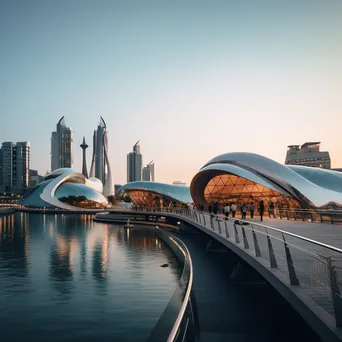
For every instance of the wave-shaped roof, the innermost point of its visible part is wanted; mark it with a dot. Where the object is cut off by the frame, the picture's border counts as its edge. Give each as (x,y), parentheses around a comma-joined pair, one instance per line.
(176,192)
(310,186)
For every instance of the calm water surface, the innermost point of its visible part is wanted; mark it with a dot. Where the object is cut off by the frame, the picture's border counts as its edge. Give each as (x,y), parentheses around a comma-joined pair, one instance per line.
(67,278)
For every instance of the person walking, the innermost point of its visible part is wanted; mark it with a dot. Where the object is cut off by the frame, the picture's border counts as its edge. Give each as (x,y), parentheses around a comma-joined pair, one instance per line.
(243,211)
(233,208)
(226,211)
(261,209)
(271,209)
(251,209)
(215,208)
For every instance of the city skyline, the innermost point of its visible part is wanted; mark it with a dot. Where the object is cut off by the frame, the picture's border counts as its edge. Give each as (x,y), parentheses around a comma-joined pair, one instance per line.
(189,81)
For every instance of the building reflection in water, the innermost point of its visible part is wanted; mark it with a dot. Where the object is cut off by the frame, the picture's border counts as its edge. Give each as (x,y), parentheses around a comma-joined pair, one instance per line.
(14,246)
(69,247)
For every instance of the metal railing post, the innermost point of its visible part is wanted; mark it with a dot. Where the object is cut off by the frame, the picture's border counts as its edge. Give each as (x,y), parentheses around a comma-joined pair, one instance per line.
(335,292)
(211,223)
(237,240)
(205,223)
(256,244)
(199,218)
(219,225)
(273,261)
(226,227)
(245,241)
(292,273)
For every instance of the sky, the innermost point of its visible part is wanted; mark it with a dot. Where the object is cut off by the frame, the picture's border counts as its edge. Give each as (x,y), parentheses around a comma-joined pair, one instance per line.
(189,79)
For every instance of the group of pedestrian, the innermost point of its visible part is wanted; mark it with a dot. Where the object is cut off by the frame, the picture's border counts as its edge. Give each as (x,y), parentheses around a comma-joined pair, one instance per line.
(227,209)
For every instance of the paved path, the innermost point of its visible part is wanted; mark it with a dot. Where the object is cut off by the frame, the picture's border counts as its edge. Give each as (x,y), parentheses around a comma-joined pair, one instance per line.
(328,233)
(233,312)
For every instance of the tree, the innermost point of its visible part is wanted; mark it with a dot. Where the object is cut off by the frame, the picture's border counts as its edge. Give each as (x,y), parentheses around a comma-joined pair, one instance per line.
(113,200)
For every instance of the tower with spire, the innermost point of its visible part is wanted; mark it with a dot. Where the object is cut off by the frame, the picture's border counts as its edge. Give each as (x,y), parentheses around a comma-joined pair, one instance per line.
(84,146)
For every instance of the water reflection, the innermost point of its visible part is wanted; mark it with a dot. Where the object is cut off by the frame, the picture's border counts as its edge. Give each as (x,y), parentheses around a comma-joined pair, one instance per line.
(14,244)
(70,271)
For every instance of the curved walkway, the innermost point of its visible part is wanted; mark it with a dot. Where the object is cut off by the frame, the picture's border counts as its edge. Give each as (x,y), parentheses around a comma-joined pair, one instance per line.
(237,312)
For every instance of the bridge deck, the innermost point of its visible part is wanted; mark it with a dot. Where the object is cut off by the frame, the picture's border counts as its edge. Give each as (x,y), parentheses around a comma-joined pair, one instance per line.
(234,312)
(328,233)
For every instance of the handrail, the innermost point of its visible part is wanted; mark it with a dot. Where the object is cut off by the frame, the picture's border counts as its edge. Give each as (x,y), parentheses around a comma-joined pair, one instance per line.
(176,326)
(321,244)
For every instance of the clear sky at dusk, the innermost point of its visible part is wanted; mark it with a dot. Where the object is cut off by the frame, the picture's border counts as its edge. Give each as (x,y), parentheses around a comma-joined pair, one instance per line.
(189,79)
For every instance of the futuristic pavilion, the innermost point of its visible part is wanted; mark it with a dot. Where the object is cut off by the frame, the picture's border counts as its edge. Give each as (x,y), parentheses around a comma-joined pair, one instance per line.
(154,194)
(248,177)
(66,189)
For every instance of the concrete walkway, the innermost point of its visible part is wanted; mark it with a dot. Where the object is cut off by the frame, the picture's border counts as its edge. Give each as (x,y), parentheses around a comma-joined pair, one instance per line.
(328,233)
(238,312)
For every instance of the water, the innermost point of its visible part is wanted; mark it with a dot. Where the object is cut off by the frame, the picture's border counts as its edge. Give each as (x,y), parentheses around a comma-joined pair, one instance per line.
(67,278)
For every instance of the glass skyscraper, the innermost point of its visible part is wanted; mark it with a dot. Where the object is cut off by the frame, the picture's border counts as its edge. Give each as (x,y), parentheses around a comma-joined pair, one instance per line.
(100,166)
(62,146)
(15,166)
(134,164)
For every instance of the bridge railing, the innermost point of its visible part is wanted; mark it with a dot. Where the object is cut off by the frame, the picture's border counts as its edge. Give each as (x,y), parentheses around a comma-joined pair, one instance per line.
(303,263)
(318,215)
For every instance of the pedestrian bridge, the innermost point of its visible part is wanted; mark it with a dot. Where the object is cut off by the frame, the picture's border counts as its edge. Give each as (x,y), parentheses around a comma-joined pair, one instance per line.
(304,271)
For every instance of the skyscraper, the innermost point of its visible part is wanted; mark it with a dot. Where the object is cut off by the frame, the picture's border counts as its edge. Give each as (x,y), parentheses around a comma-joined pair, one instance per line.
(148,172)
(100,166)
(84,146)
(15,166)
(62,146)
(134,164)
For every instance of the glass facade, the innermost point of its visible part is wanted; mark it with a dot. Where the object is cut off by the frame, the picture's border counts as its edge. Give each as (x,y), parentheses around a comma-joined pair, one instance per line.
(227,189)
(143,198)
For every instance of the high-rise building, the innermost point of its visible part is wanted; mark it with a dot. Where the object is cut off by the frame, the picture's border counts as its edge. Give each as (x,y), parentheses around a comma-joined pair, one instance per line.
(34,178)
(134,164)
(62,146)
(84,146)
(22,165)
(116,189)
(148,172)
(308,154)
(15,166)
(100,166)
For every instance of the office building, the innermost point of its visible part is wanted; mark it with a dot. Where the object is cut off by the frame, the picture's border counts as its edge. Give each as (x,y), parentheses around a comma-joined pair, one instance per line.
(15,166)
(62,146)
(100,166)
(148,172)
(34,178)
(308,154)
(116,189)
(134,164)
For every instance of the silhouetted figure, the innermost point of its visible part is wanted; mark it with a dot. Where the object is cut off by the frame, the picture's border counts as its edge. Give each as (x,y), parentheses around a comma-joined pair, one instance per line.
(261,209)
(243,211)
(233,208)
(251,209)
(226,211)
(209,209)
(271,209)
(215,208)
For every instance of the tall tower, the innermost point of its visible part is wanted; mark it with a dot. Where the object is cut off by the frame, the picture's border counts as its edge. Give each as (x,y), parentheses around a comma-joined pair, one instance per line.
(84,146)
(134,164)
(62,146)
(148,172)
(100,166)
